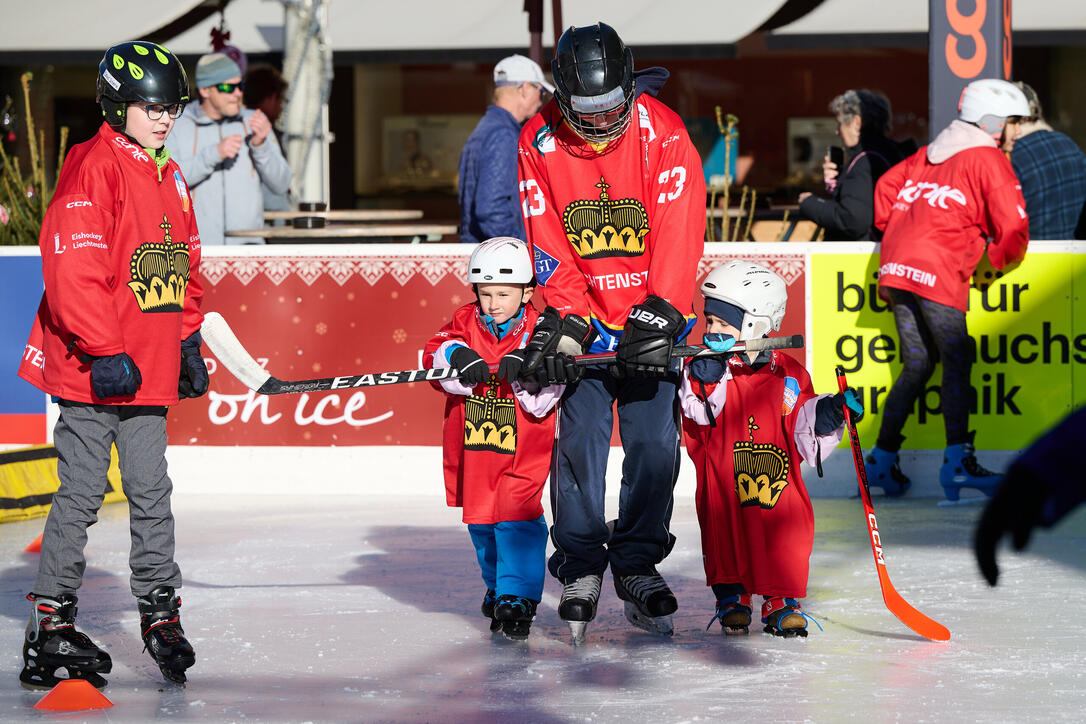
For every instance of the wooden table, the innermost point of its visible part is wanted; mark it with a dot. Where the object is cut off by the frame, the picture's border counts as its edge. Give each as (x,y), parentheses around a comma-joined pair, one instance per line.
(413,233)
(348,215)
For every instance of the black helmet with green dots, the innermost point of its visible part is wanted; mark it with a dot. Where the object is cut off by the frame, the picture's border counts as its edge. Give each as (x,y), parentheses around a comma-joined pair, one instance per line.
(139,71)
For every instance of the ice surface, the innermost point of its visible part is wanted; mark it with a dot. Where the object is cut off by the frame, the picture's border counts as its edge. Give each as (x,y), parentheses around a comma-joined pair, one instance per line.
(356,608)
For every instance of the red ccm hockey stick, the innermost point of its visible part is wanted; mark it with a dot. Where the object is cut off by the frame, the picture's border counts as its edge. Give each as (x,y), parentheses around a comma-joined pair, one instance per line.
(222,341)
(918,622)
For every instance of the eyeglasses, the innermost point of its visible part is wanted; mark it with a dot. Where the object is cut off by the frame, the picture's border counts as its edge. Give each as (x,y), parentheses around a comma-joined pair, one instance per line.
(155,110)
(229,87)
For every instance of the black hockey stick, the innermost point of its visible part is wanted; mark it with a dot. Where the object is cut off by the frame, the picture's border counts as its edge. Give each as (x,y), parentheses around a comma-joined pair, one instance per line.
(233,355)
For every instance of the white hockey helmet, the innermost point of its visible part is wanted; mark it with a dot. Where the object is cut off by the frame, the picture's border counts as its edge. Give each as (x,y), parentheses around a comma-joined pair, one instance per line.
(758,291)
(501,260)
(988,103)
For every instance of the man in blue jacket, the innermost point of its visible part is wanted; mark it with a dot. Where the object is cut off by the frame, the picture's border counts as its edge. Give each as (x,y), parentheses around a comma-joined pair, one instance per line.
(489,195)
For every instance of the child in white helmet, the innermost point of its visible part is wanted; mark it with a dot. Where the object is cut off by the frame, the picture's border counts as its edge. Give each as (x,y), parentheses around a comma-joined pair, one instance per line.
(498,433)
(750,420)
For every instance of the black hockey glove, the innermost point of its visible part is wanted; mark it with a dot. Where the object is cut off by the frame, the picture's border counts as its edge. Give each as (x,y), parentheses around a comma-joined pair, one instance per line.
(1016,509)
(193,380)
(555,341)
(472,367)
(114,376)
(829,414)
(650,331)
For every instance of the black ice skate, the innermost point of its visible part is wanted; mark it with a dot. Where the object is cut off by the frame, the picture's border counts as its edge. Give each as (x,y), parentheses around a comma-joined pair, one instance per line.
(649,602)
(489,601)
(515,615)
(163,637)
(578,604)
(52,642)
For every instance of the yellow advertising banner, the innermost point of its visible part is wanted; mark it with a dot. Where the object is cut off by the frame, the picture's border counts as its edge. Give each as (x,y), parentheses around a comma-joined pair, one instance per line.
(1029,353)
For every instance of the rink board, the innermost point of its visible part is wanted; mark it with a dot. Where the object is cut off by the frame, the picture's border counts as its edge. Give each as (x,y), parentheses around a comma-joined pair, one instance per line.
(316,311)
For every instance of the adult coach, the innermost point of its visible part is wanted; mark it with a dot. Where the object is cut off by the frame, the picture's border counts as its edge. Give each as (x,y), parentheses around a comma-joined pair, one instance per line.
(614,204)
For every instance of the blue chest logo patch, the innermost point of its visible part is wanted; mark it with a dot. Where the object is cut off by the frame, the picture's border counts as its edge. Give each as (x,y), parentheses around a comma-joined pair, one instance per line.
(545,264)
(791,394)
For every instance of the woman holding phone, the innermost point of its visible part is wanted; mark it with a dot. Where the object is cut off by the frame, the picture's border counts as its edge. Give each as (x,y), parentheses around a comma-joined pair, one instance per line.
(863,120)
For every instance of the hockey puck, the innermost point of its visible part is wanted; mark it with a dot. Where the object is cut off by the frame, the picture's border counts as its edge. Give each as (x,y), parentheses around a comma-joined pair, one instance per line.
(312,206)
(308,222)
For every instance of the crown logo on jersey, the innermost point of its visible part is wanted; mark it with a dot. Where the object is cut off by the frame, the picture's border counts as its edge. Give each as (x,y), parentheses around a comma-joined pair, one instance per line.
(490,422)
(605,228)
(761,471)
(160,273)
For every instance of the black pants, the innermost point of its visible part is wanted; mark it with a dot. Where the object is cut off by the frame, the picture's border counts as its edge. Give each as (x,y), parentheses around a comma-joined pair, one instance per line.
(929,333)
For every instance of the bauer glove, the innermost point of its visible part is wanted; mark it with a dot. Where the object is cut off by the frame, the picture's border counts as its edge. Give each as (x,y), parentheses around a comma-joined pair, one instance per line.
(114,376)
(472,368)
(829,412)
(650,331)
(193,380)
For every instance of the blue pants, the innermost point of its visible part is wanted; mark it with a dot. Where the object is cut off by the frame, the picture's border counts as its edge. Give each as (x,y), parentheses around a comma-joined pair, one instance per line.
(511,556)
(648,426)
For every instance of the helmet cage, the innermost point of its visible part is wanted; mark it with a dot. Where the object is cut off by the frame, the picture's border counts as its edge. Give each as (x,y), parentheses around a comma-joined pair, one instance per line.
(598,118)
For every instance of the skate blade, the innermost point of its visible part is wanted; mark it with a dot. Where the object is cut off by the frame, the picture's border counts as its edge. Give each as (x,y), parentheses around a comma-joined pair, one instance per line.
(577,632)
(659,625)
(790,633)
(736,630)
(48,682)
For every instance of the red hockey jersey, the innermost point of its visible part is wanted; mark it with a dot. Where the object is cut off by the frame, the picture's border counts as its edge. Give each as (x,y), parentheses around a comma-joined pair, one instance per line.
(120,256)
(937,209)
(609,227)
(496,438)
(757,523)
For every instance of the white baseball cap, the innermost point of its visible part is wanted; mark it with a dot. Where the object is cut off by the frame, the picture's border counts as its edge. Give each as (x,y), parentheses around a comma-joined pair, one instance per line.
(517,69)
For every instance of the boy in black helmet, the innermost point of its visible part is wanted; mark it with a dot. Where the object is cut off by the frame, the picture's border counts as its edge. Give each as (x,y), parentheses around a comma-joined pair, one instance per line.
(116,340)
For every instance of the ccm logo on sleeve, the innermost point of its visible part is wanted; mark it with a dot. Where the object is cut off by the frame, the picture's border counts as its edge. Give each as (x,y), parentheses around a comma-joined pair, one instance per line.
(76,204)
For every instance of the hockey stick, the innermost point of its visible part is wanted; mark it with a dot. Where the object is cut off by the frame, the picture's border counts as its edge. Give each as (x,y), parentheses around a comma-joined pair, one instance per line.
(233,355)
(918,622)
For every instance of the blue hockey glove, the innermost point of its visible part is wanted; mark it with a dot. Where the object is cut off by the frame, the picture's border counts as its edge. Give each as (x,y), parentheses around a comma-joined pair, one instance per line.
(114,376)
(829,414)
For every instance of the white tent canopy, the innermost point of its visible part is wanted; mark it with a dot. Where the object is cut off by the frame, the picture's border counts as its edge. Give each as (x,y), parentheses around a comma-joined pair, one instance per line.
(852,22)
(378,25)
(53,25)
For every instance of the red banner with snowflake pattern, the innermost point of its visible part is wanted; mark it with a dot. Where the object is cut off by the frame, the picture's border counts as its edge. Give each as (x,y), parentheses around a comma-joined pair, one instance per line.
(307,312)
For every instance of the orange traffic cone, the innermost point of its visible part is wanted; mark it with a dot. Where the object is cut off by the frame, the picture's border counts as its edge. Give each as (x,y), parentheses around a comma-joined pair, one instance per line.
(73,695)
(35,546)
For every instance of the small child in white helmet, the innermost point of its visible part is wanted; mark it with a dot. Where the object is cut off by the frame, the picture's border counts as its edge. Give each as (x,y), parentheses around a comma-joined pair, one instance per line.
(750,420)
(497,434)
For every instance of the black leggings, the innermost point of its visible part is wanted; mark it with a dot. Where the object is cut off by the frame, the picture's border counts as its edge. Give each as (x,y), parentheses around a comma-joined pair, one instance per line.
(929,332)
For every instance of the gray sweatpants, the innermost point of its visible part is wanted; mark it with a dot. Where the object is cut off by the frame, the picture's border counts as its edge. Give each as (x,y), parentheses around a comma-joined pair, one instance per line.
(83,436)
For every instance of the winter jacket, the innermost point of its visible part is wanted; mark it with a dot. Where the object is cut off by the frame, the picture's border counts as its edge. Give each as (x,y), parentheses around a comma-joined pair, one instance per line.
(1052,171)
(120,257)
(489,202)
(937,209)
(226,193)
(849,215)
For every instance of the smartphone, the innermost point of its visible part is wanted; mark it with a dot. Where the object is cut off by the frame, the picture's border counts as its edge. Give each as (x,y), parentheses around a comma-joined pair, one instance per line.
(837,156)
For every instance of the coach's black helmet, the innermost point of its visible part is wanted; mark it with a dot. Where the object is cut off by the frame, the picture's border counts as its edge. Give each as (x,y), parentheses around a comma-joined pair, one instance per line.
(594,83)
(139,71)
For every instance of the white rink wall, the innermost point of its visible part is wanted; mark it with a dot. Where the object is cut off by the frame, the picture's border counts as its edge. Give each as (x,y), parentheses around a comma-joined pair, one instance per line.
(416,471)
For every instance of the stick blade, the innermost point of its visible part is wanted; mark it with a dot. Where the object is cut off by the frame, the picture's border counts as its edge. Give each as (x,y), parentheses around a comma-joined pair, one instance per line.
(927,627)
(230,352)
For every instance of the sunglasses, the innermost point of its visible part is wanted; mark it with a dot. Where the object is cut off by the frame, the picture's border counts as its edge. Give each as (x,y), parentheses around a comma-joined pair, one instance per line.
(155,110)
(229,87)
